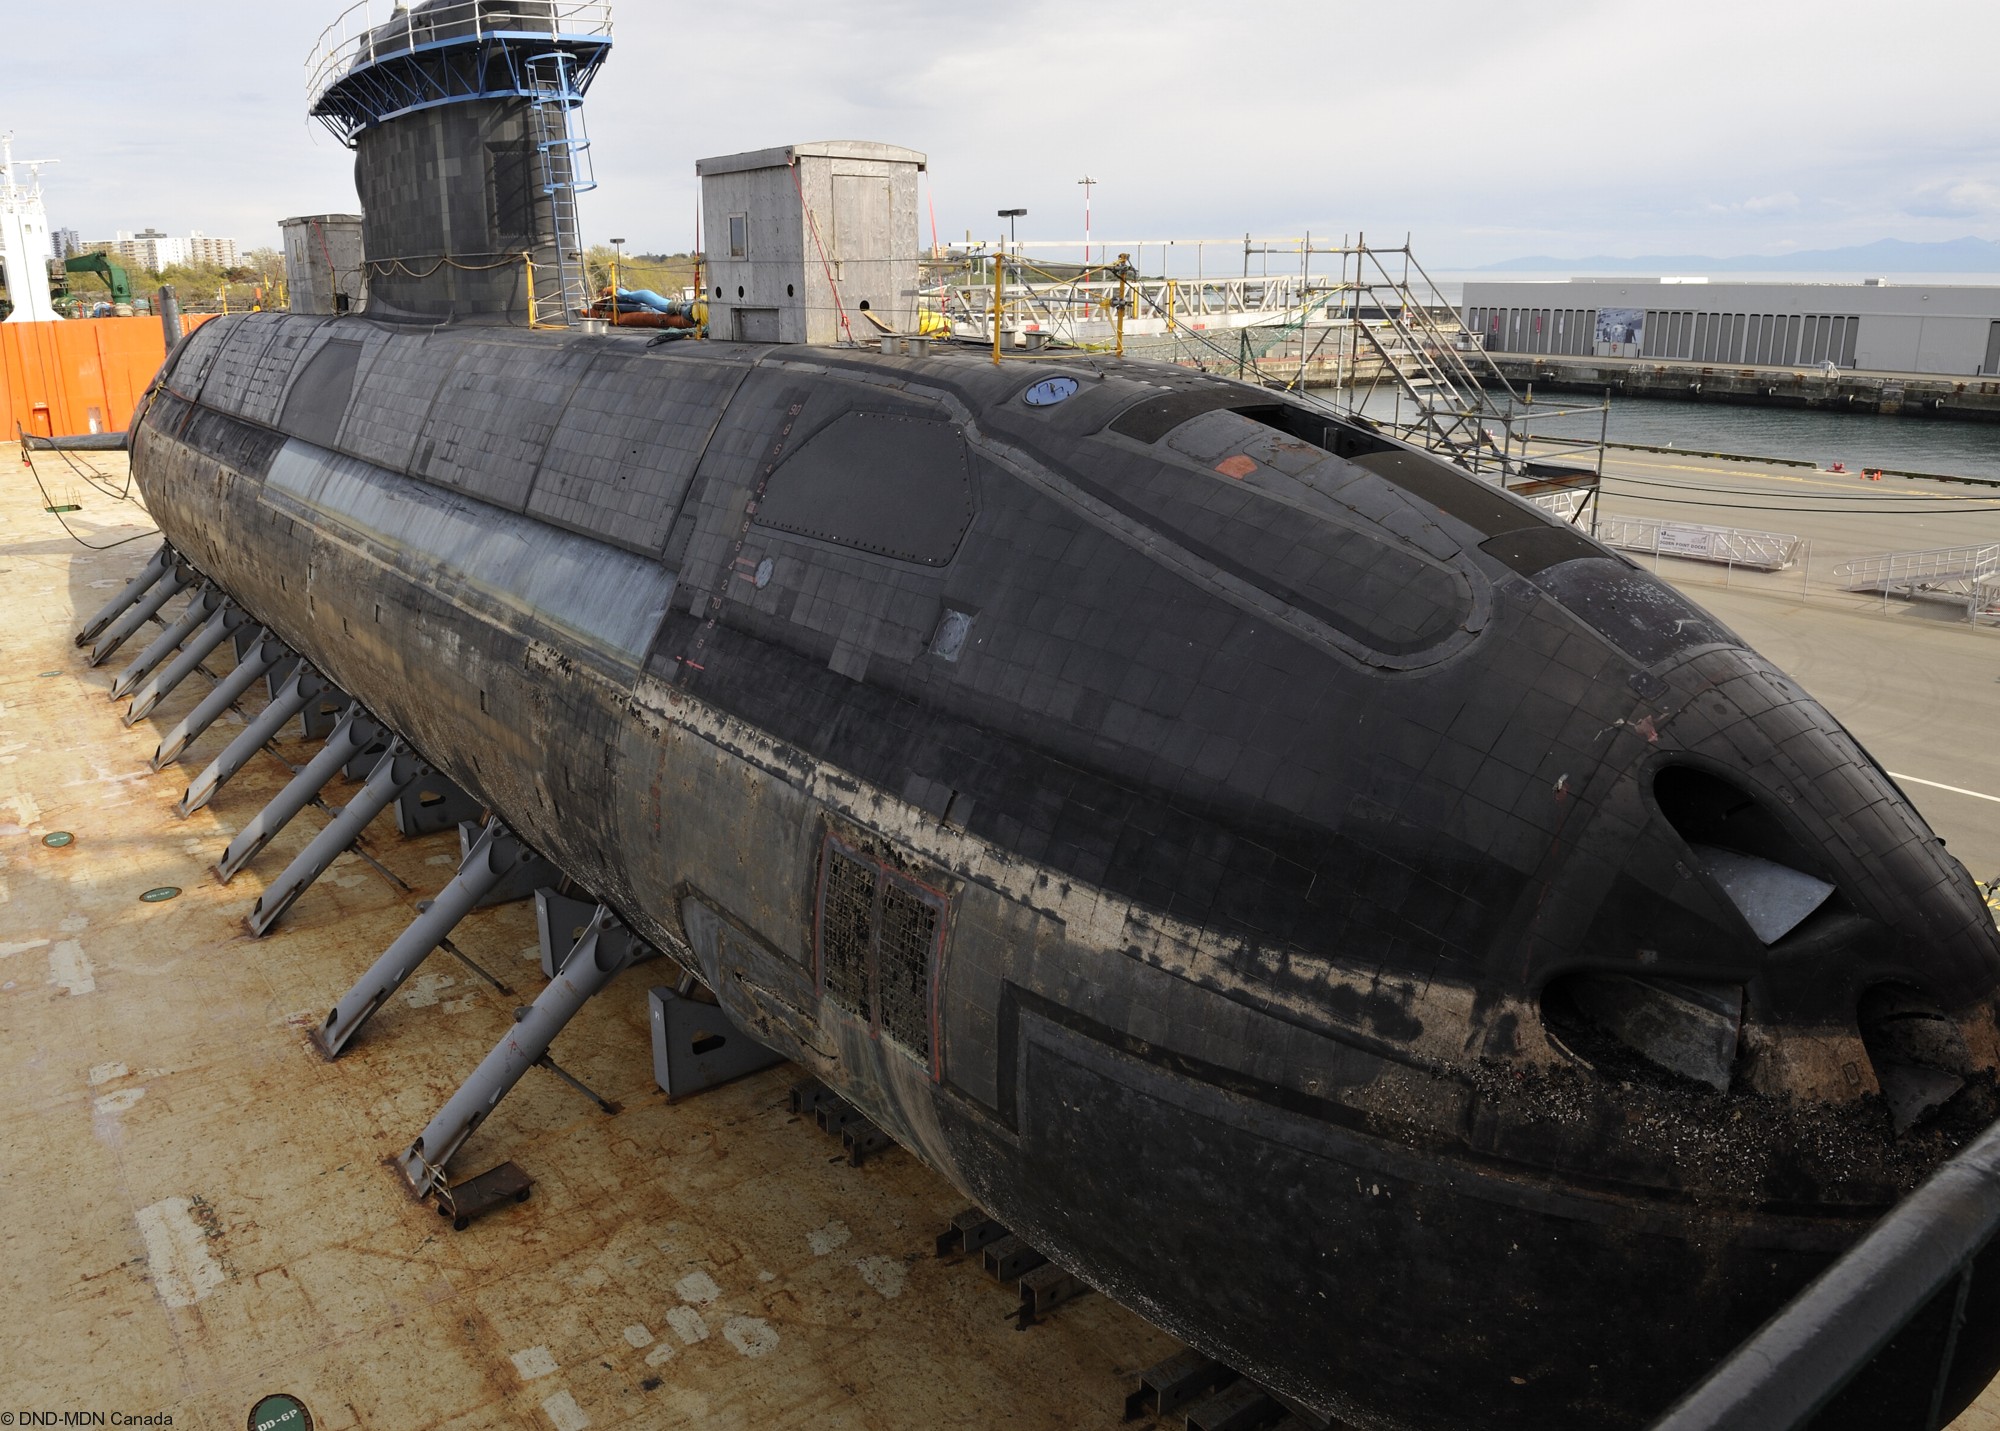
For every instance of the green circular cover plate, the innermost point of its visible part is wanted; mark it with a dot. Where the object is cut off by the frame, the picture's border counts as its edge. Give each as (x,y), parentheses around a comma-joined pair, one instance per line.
(280,1412)
(160,895)
(56,839)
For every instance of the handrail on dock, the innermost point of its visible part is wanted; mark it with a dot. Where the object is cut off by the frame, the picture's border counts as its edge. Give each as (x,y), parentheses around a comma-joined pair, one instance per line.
(1696,541)
(1931,564)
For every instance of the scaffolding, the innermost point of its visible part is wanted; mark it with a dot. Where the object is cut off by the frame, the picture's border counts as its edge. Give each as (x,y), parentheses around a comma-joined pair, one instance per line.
(562,149)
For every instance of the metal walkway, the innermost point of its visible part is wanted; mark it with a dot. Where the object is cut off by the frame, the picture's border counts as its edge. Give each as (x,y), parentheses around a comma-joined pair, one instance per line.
(1964,576)
(1695,541)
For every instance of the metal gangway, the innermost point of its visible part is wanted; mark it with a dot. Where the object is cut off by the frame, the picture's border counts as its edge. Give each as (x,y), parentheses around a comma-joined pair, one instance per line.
(561,290)
(1967,576)
(1695,541)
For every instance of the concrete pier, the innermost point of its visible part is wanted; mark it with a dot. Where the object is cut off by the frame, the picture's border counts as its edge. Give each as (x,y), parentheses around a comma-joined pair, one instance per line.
(1929,395)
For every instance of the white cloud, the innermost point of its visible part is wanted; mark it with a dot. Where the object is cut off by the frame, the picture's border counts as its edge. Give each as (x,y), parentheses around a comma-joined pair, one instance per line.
(1957,199)
(1785,203)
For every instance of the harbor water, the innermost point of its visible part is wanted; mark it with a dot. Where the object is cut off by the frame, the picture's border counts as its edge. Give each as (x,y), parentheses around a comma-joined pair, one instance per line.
(1856,440)
(1959,449)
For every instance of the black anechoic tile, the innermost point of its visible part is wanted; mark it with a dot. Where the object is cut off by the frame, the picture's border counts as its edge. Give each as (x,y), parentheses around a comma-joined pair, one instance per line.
(1068,622)
(1163,647)
(1093,842)
(1050,541)
(1205,876)
(1293,882)
(1253,771)
(1108,627)
(1482,828)
(1278,732)
(1566,766)
(1211,709)
(1001,828)
(1135,857)
(1483,722)
(1136,682)
(1564,686)
(1429,908)
(1032,843)
(1582,652)
(1407,743)
(1170,695)
(1496,783)
(1217,757)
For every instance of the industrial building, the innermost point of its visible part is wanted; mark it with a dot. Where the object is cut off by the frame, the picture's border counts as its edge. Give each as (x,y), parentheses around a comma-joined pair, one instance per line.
(1873,325)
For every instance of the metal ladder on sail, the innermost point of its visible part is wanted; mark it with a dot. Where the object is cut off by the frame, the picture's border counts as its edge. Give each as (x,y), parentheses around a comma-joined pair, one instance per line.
(562,290)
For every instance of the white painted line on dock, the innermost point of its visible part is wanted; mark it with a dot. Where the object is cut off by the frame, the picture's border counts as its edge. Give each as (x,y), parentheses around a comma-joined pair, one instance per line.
(562,1410)
(533,1362)
(70,969)
(177,1252)
(687,1324)
(752,1336)
(1952,788)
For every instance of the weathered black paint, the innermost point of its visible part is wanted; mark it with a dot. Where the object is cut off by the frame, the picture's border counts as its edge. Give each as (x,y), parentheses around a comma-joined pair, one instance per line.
(1265,791)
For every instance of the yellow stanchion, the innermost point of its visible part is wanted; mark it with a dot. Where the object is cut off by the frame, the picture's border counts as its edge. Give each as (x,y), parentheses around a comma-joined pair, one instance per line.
(1124,267)
(999,278)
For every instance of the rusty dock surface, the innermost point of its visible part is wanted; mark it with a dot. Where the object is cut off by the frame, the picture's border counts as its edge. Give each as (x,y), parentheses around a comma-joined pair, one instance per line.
(195,1207)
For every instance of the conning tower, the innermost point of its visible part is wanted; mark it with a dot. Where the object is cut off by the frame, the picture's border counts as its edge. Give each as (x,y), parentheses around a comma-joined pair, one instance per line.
(466,121)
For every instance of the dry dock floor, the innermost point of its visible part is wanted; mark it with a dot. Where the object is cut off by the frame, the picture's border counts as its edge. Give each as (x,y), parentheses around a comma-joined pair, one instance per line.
(194,1210)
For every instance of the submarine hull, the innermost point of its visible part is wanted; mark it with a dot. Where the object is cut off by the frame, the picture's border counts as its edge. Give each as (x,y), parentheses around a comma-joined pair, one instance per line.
(1248,1038)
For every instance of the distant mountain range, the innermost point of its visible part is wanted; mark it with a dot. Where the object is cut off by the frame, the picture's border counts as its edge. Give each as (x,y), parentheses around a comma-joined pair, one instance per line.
(1962,255)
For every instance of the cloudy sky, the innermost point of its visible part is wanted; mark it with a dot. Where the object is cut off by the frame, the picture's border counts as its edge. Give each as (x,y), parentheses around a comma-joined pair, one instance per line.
(1485,130)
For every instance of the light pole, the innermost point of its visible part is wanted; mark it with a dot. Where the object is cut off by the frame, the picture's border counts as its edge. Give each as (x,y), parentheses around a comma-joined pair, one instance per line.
(1088,184)
(1010,215)
(617,253)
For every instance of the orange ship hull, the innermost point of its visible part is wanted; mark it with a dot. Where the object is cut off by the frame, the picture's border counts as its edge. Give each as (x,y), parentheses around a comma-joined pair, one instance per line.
(81,375)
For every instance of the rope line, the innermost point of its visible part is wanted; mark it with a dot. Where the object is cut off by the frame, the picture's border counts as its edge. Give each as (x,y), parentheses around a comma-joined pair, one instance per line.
(1942,501)
(49,504)
(1867,511)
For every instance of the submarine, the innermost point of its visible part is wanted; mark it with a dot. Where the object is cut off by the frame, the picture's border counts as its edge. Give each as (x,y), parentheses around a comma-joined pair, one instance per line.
(1345,914)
